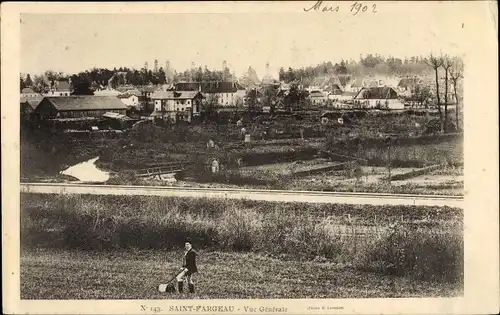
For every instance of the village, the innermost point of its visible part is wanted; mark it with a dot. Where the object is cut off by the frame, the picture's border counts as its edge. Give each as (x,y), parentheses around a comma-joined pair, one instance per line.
(257,132)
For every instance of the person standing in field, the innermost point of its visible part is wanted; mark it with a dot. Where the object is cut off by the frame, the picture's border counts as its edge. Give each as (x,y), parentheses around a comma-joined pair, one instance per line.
(188,268)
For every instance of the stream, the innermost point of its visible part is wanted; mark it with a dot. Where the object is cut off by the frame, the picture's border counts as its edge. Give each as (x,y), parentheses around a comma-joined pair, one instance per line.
(87,171)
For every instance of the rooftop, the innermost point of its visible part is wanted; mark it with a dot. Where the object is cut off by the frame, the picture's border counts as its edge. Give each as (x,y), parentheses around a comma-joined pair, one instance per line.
(210,87)
(32,102)
(27,91)
(377,93)
(116,116)
(175,95)
(70,103)
(107,93)
(62,86)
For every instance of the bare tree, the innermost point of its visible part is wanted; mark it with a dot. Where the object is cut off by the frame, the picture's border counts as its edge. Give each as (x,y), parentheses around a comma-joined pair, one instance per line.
(436,63)
(456,73)
(447,64)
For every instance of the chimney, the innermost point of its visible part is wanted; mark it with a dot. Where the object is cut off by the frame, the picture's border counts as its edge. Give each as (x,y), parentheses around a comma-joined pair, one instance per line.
(224,67)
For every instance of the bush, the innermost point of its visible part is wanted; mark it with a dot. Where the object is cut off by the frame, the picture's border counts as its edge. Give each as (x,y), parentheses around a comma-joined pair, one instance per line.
(237,228)
(427,254)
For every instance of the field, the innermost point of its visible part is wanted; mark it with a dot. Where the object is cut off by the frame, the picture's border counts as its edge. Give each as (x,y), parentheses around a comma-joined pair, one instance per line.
(368,249)
(57,274)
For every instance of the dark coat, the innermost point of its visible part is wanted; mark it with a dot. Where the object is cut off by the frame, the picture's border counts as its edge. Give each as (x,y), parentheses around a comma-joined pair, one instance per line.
(190,261)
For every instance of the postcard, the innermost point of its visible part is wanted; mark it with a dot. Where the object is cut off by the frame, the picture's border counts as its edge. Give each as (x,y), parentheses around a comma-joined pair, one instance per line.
(282,157)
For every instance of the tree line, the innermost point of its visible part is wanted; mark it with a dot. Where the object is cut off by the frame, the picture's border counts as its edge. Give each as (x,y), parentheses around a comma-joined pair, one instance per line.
(365,66)
(90,80)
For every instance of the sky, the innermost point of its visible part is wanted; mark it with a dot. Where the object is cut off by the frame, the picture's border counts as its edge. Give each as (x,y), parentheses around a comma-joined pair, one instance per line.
(75,42)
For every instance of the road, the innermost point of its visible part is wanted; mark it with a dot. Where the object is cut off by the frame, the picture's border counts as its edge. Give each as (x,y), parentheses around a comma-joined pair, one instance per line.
(251,194)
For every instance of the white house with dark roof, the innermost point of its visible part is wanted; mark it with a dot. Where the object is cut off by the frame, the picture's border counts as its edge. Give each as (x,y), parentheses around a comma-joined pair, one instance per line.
(378,97)
(59,88)
(177,105)
(227,93)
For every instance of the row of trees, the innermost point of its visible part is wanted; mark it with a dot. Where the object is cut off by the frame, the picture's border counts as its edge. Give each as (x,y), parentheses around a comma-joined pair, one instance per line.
(453,68)
(369,65)
(100,77)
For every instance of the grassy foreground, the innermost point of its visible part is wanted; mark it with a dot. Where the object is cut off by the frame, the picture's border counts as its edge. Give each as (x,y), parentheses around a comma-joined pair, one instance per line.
(102,247)
(58,274)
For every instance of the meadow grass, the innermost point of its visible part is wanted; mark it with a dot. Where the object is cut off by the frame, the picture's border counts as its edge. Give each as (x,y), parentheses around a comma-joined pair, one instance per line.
(388,239)
(130,274)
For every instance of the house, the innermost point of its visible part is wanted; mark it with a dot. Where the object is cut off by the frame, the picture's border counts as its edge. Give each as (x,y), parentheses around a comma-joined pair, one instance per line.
(59,88)
(28,102)
(78,106)
(28,106)
(31,102)
(129,100)
(177,105)
(148,91)
(355,85)
(343,97)
(227,93)
(378,97)
(132,98)
(27,93)
(407,86)
(317,97)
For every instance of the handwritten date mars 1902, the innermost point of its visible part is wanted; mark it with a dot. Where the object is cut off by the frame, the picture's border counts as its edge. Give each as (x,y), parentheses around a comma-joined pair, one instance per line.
(355,8)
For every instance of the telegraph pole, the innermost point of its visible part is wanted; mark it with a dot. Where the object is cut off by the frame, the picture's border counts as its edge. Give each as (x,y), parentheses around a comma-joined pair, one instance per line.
(389,142)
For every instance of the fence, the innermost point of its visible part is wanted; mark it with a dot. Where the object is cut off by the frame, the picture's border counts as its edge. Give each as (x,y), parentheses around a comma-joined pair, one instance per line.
(417,172)
(161,169)
(344,157)
(322,169)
